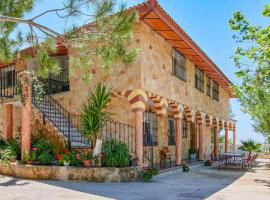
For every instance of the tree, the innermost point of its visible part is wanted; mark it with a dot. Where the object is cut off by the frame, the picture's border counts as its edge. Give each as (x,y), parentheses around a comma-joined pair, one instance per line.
(95,114)
(250,146)
(104,37)
(252,58)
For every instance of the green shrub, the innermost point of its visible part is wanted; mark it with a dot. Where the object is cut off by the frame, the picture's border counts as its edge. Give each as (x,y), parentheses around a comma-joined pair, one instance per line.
(116,154)
(15,146)
(45,158)
(29,156)
(3,143)
(7,155)
(42,146)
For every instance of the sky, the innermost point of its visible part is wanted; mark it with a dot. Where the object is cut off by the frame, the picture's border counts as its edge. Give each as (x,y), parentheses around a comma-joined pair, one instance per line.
(206,22)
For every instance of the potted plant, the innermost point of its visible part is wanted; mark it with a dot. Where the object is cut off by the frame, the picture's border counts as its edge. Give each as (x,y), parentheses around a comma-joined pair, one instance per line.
(149,172)
(193,154)
(185,168)
(28,158)
(86,158)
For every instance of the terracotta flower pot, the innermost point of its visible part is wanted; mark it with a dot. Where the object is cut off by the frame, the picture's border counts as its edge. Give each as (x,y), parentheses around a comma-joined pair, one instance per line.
(87,163)
(28,162)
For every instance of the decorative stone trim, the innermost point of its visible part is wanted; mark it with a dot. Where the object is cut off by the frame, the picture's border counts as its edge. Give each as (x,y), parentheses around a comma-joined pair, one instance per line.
(63,173)
(138,99)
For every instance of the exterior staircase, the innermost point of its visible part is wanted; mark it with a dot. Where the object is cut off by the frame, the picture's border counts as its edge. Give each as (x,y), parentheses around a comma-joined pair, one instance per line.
(65,122)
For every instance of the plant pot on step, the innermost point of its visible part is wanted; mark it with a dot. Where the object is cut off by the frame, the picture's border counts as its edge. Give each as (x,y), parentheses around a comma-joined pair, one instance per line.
(28,162)
(87,163)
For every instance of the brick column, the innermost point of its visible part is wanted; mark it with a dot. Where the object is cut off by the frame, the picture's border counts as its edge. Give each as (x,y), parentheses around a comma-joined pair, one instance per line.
(139,135)
(226,141)
(201,141)
(9,121)
(178,141)
(215,141)
(26,113)
(234,140)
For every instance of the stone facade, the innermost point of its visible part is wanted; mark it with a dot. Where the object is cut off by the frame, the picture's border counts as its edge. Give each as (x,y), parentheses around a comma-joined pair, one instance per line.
(152,74)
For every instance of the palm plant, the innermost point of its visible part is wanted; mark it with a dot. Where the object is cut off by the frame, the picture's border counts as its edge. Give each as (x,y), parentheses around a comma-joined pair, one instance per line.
(250,146)
(95,112)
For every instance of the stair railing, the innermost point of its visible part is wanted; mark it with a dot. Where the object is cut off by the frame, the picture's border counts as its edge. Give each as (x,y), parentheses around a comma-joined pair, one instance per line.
(62,119)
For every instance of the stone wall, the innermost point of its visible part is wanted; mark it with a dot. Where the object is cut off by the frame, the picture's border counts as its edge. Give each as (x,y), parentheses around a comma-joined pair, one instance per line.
(109,175)
(156,76)
(17,118)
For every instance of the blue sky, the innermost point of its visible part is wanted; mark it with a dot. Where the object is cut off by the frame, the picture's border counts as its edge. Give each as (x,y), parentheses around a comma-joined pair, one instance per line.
(206,22)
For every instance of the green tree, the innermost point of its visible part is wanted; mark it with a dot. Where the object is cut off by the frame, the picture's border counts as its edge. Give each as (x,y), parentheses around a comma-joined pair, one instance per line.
(252,58)
(105,37)
(250,146)
(95,114)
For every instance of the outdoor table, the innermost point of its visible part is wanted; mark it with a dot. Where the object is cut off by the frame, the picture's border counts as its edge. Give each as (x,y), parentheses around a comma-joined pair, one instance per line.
(231,155)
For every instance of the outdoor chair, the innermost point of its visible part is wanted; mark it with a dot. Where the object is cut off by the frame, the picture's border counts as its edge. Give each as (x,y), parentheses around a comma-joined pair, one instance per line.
(247,162)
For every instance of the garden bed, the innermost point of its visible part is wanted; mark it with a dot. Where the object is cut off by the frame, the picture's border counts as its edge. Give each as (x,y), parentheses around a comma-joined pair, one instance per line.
(64,173)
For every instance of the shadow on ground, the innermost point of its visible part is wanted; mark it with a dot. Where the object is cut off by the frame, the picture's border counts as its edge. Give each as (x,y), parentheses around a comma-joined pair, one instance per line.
(13,182)
(199,183)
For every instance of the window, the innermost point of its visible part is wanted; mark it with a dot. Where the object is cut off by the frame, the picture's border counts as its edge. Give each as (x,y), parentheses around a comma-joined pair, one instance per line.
(7,76)
(179,65)
(208,86)
(184,128)
(149,129)
(171,131)
(199,79)
(215,91)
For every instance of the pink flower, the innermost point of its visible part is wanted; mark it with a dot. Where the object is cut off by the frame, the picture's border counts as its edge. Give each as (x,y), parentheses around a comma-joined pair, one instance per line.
(34,149)
(78,156)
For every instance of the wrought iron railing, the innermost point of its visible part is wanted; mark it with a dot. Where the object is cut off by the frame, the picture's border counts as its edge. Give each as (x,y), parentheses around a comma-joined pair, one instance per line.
(56,83)
(8,83)
(113,130)
(60,118)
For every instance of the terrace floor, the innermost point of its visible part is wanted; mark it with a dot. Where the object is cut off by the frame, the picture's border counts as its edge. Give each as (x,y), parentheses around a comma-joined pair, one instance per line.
(199,183)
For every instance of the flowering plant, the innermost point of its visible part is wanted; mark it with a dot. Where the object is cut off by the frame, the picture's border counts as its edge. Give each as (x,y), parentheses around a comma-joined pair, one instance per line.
(149,172)
(69,158)
(85,155)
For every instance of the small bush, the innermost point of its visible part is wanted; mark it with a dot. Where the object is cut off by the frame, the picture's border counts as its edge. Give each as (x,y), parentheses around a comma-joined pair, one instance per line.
(7,155)
(42,146)
(45,158)
(116,154)
(15,146)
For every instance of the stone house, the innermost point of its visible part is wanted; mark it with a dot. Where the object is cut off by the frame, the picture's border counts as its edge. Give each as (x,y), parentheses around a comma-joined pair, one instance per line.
(172,96)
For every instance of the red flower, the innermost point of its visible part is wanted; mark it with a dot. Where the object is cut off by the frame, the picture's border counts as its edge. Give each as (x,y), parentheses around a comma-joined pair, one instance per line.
(34,149)
(59,157)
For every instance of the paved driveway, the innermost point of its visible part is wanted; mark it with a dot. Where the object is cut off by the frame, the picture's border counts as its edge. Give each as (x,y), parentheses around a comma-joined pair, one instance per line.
(200,183)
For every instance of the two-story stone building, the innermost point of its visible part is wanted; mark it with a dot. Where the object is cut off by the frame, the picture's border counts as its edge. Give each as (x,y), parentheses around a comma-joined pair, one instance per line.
(173,95)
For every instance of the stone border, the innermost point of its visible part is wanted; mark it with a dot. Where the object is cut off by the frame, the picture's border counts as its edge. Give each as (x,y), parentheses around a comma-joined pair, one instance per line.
(64,173)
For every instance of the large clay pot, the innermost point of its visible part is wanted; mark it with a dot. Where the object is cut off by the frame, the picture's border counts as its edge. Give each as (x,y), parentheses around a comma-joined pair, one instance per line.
(28,162)
(87,163)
